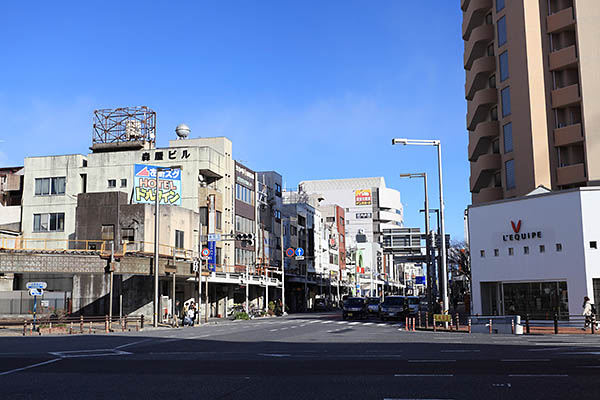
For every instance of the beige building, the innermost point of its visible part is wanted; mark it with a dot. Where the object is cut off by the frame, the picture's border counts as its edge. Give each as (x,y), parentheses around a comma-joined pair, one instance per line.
(532,85)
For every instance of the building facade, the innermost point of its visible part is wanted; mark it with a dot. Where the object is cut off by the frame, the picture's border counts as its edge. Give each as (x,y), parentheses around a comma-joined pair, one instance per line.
(531,84)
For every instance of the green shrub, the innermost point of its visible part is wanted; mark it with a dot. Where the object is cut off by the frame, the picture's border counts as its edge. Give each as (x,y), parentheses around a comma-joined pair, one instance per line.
(241,315)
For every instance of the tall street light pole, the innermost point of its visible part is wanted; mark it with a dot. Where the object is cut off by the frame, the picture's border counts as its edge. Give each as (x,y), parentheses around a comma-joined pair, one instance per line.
(156,241)
(427,241)
(444,277)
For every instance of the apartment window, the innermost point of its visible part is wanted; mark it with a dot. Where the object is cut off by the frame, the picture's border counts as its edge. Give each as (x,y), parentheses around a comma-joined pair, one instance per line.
(123,183)
(508,137)
(489,19)
(494,113)
(593,245)
(242,193)
(511,251)
(510,174)
(50,186)
(112,183)
(492,82)
(203,215)
(108,232)
(178,239)
(526,250)
(497,180)
(496,146)
(53,222)
(278,189)
(490,50)
(499,5)
(496,252)
(505,95)
(501,31)
(542,248)
(244,225)
(482,253)
(127,234)
(558,246)
(504,66)
(219,219)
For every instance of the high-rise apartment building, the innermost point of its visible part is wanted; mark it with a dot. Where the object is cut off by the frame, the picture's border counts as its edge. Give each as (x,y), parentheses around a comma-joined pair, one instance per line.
(532,87)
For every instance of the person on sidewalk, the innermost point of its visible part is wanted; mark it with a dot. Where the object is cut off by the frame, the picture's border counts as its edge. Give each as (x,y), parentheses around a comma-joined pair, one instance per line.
(191,314)
(589,312)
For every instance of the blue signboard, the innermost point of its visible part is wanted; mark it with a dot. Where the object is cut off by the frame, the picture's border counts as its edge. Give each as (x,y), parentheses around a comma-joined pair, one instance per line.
(299,252)
(420,280)
(144,185)
(212,258)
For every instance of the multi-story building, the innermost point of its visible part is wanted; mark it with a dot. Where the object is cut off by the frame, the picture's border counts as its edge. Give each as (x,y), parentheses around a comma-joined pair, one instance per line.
(11,192)
(531,88)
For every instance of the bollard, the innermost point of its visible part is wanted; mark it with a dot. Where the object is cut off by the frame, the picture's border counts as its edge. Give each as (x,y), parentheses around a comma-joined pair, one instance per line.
(451,328)
(512,326)
(593,326)
(420,325)
(71,328)
(126,317)
(30,329)
(137,327)
(527,323)
(50,328)
(81,324)
(469,325)
(90,327)
(426,320)
(457,322)
(434,325)
(24,327)
(106,324)
(406,324)
(142,322)
(555,323)
(490,326)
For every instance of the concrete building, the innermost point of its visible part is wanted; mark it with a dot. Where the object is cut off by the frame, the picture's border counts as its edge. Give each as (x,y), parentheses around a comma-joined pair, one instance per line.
(370,208)
(531,88)
(11,192)
(525,262)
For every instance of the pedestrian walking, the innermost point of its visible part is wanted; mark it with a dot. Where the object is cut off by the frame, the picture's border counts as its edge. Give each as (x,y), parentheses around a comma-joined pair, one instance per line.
(589,312)
(191,315)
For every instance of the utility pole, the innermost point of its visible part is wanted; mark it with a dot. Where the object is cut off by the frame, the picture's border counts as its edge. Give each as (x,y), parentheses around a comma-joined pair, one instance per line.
(156,242)
(199,272)
(282,269)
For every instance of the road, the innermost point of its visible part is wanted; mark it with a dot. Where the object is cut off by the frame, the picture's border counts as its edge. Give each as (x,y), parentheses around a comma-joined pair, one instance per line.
(303,356)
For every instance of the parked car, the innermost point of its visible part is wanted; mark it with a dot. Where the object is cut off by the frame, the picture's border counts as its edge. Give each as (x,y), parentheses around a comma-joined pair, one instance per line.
(413,304)
(373,305)
(354,307)
(320,305)
(393,307)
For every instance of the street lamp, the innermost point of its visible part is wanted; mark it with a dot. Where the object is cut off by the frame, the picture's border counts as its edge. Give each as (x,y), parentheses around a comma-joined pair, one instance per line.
(156,240)
(438,144)
(427,241)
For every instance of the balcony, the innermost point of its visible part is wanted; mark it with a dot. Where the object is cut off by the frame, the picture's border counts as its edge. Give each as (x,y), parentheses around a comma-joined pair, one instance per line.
(477,77)
(483,169)
(480,138)
(566,96)
(568,135)
(571,174)
(474,16)
(563,58)
(561,21)
(479,107)
(488,194)
(477,44)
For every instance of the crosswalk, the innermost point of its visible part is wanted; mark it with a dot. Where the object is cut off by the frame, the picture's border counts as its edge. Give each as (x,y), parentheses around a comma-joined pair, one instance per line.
(327,322)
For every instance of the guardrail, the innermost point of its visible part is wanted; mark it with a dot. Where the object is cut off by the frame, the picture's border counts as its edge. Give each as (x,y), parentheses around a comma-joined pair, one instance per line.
(44,245)
(77,325)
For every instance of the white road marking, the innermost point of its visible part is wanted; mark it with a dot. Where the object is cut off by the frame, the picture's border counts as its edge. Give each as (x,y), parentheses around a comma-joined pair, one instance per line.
(295,326)
(382,325)
(342,322)
(366,323)
(131,344)
(273,330)
(354,323)
(399,375)
(30,366)
(326,322)
(584,352)
(273,355)
(426,361)
(284,328)
(526,360)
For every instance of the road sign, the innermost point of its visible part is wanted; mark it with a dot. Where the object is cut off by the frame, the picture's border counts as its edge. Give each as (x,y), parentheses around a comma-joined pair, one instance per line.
(36,285)
(441,317)
(299,258)
(205,252)
(45,303)
(214,237)
(299,252)
(195,265)
(358,286)
(36,292)
(290,252)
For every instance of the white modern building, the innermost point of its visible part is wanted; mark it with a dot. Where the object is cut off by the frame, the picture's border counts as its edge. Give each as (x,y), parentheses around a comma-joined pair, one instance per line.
(536,254)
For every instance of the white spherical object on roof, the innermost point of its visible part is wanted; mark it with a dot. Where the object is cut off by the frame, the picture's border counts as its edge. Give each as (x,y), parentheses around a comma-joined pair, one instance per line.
(182,130)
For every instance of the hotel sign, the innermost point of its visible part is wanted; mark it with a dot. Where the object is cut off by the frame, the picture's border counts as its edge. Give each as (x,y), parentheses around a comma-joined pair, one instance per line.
(362,197)
(144,185)
(518,235)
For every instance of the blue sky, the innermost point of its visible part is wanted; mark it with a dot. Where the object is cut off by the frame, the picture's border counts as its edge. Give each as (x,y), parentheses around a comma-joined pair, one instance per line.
(311,89)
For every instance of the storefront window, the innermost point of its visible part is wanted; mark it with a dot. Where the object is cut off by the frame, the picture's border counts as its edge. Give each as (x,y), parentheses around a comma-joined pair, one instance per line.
(539,300)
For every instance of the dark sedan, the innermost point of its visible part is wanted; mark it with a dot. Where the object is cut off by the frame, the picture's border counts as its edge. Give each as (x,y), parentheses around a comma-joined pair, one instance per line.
(354,307)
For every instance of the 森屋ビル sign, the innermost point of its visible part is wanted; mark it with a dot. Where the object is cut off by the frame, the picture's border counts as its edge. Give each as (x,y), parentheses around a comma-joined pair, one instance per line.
(362,197)
(144,185)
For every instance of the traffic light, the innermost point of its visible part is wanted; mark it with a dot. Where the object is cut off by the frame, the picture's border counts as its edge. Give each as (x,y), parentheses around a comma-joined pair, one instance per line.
(247,239)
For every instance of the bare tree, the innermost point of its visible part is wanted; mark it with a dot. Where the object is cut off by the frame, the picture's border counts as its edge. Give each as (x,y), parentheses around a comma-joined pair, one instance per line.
(459,257)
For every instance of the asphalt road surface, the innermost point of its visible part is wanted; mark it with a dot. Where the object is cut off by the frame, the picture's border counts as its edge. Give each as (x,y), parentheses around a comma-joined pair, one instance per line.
(303,356)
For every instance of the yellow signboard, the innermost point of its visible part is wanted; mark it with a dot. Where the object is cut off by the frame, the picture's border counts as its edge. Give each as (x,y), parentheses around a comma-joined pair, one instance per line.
(441,317)
(362,197)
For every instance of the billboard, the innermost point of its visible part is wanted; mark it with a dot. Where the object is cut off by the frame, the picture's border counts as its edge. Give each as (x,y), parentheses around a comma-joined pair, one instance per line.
(144,185)
(362,197)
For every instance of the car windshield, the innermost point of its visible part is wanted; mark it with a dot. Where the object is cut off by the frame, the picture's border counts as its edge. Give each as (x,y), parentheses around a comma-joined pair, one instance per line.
(354,302)
(413,300)
(394,301)
(320,301)
(373,300)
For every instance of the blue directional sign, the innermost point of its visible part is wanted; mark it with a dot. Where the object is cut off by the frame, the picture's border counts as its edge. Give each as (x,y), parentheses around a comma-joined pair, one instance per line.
(36,285)
(212,258)
(299,252)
